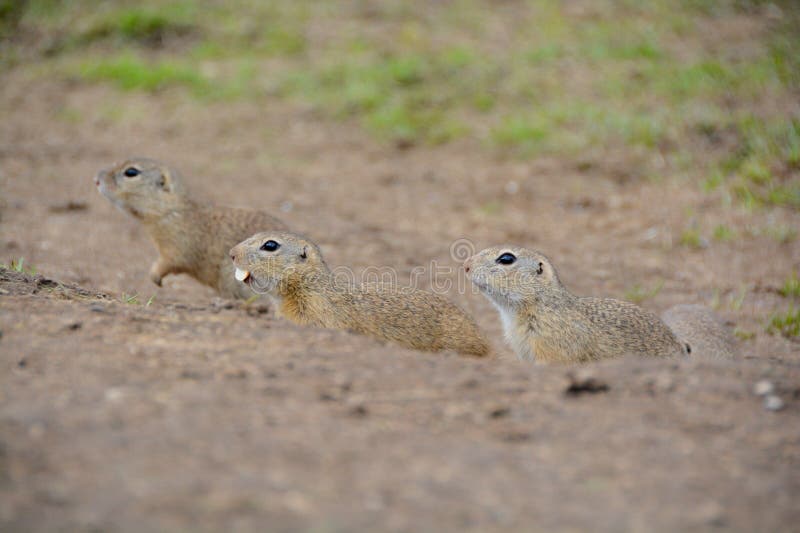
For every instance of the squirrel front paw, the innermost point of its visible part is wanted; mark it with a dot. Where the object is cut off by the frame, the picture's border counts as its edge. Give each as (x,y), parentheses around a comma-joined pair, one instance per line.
(157,274)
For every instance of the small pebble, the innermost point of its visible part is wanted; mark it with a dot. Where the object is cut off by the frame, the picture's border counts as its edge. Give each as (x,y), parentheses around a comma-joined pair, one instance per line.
(471,383)
(764,387)
(220,303)
(235,373)
(328,396)
(257,309)
(512,187)
(712,514)
(499,412)
(583,381)
(664,383)
(114,394)
(97,308)
(773,403)
(36,431)
(356,406)
(359,410)
(190,374)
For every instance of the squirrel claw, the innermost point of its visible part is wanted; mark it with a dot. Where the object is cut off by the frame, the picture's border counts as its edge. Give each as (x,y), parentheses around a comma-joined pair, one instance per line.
(156,275)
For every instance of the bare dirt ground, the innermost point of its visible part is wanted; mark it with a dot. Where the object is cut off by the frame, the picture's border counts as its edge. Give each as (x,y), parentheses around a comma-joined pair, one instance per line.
(194,414)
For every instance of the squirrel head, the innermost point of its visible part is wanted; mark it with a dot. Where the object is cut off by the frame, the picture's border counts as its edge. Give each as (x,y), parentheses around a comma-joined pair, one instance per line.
(273,262)
(142,187)
(510,276)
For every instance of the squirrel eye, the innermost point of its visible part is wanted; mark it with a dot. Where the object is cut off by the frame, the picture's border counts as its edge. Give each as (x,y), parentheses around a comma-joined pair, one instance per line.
(506,259)
(132,172)
(270,246)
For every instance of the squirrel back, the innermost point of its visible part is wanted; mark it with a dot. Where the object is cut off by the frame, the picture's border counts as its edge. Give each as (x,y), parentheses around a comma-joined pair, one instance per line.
(291,269)
(701,331)
(192,237)
(546,322)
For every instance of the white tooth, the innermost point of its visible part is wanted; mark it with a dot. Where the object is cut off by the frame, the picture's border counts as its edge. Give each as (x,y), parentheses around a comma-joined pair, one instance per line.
(241,275)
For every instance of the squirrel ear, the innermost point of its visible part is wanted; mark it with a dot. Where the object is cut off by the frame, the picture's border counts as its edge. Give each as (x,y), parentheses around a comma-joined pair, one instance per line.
(303,254)
(165,180)
(541,268)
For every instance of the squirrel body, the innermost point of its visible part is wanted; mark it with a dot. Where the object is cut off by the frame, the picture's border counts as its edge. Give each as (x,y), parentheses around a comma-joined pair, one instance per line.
(700,329)
(192,237)
(290,268)
(542,320)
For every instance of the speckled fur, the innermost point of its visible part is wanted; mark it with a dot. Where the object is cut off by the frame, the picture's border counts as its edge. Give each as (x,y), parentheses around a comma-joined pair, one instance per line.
(298,278)
(545,322)
(699,328)
(192,237)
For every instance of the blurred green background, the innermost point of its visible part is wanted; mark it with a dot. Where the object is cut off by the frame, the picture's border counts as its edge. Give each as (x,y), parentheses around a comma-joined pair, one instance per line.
(692,87)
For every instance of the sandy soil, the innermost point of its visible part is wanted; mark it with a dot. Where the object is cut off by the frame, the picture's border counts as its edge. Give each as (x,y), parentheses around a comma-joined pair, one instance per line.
(193,413)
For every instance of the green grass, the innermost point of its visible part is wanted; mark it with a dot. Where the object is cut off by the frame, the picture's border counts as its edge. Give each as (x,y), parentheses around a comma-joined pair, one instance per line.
(692,238)
(743,334)
(130,299)
(782,233)
(787,324)
(133,299)
(637,80)
(723,233)
(131,72)
(11,12)
(142,24)
(737,300)
(18,265)
(529,134)
(278,40)
(491,208)
(637,293)
(391,95)
(764,169)
(791,287)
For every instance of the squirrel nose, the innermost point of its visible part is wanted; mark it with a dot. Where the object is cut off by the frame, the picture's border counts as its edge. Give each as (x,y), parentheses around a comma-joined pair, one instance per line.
(467,265)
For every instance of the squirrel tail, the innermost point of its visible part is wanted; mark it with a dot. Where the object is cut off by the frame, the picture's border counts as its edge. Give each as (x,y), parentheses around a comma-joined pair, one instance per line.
(700,331)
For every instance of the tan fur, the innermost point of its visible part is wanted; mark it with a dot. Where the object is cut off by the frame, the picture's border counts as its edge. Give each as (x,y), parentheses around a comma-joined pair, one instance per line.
(700,329)
(545,322)
(192,237)
(308,293)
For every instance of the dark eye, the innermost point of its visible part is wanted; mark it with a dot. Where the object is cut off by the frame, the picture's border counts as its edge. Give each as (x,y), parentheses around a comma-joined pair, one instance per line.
(132,172)
(270,246)
(506,259)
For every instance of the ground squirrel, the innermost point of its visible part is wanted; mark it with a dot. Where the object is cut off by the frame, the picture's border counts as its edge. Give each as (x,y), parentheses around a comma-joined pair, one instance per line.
(705,334)
(291,269)
(544,321)
(192,237)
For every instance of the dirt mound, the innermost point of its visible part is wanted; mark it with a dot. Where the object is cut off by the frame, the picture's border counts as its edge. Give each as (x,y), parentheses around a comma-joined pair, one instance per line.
(130,417)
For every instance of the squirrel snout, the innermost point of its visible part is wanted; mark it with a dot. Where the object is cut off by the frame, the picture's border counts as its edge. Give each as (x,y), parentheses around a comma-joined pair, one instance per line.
(468,265)
(100,177)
